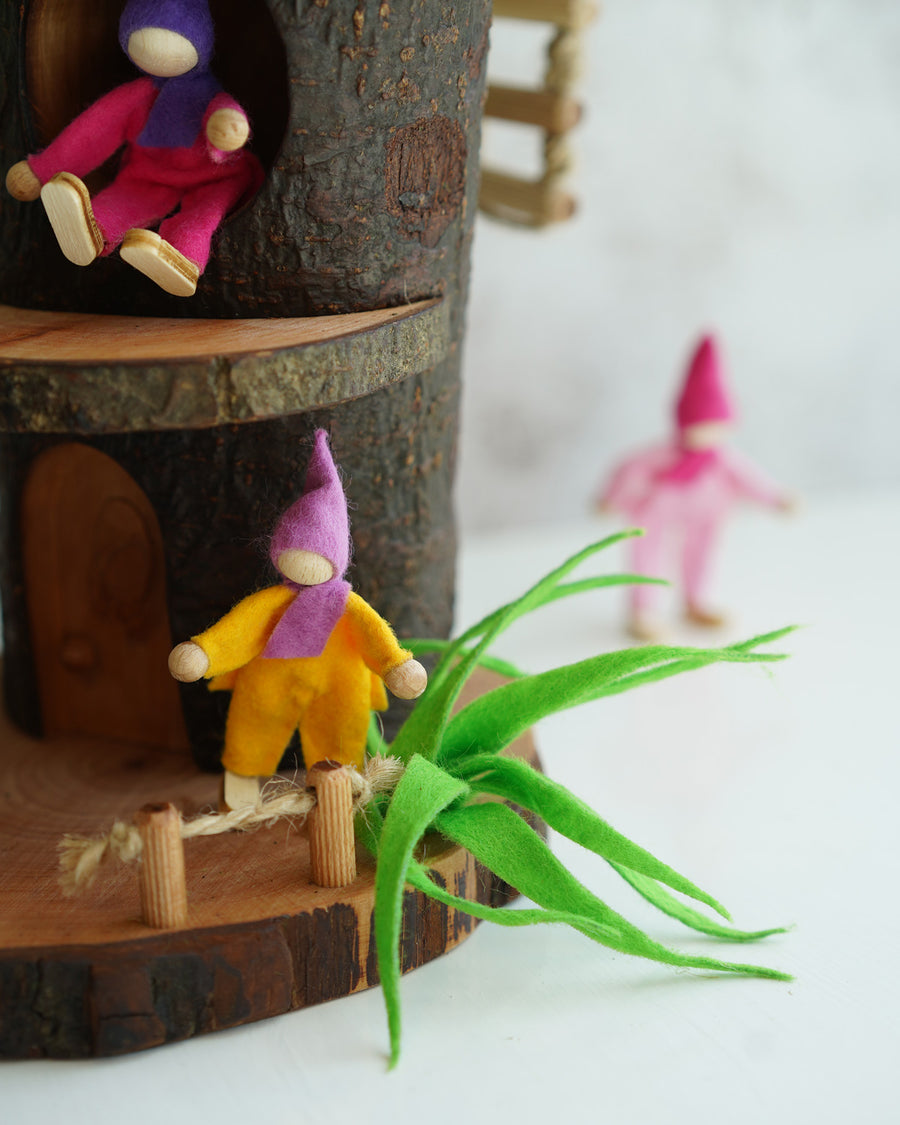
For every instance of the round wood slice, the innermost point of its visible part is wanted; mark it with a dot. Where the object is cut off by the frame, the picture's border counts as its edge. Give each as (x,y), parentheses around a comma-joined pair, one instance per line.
(84,373)
(85,976)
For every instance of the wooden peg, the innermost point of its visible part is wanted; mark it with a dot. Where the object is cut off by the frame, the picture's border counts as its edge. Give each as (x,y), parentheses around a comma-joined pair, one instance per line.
(163,887)
(332,844)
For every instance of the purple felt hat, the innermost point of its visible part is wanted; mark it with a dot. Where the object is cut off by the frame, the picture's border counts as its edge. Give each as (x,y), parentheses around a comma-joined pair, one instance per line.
(190,18)
(318,521)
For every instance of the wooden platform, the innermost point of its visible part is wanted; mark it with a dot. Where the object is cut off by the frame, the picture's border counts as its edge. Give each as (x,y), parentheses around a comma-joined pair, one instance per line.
(81,977)
(78,372)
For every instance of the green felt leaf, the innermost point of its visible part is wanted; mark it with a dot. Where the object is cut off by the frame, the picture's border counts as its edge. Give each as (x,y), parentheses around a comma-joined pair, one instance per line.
(417,876)
(375,743)
(425,645)
(516,781)
(419,646)
(668,904)
(501,840)
(423,731)
(764,639)
(368,824)
(491,722)
(422,792)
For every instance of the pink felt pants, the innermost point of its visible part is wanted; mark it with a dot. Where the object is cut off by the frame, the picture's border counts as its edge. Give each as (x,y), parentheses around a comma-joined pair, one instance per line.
(134,202)
(694,540)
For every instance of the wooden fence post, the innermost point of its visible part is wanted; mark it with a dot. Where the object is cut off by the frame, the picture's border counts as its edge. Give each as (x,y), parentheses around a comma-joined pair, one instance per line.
(332,844)
(163,887)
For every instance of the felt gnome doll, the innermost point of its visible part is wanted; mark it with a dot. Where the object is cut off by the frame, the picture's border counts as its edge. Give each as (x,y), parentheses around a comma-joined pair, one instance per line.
(307,654)
(681,492)
(182,140)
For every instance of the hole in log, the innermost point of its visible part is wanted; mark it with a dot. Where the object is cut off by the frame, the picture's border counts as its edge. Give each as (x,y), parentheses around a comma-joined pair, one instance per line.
(73,57)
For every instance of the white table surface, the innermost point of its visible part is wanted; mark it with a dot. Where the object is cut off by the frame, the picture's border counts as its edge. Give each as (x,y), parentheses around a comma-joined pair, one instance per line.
(775,791)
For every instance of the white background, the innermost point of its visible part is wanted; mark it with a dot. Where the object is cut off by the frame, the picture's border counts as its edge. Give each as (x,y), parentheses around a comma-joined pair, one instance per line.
(740,171)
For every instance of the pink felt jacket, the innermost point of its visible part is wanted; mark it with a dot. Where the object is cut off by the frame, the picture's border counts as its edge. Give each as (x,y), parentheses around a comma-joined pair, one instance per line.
(690,512)
(203,181)
(637,491)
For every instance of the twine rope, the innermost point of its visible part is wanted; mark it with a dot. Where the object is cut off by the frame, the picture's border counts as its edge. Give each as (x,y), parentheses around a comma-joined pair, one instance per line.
(80,857)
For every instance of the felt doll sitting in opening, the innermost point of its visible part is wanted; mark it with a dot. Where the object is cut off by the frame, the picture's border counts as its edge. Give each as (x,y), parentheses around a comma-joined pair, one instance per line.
(183,139)
(308,654)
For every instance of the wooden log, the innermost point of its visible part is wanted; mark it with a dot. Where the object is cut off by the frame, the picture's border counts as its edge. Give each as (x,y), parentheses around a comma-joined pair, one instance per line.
(215,491)
(332,843)
(83,373)
(161,871)
(366,118)
(79,977)
(548,110)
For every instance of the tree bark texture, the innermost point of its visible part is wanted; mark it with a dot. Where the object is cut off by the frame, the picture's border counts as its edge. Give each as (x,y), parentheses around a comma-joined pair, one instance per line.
(218,491)
(367,114)
(115,999)
(367,118)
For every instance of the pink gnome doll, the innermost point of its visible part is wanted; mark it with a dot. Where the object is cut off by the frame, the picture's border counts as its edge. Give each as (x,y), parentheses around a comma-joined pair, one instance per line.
(680,493)
(307,654)
(183,156)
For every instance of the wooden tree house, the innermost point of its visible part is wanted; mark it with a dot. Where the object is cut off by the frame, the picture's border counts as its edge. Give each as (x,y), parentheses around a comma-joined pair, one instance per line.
(147,443)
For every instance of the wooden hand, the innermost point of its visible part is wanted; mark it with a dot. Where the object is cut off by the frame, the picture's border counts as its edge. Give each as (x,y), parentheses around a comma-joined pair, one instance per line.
(407,681)
(22,183)
(188,662)
(227,130)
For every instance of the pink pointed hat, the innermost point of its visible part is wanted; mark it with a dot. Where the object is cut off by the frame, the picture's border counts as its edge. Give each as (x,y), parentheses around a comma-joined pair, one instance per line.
(318,521)
(704,396)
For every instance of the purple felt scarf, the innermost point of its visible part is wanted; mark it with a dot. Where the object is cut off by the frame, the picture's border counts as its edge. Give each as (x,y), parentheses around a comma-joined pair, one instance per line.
(309,620)
(177,114)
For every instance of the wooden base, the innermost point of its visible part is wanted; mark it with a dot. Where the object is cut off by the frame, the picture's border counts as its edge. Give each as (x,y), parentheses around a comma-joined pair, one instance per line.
(84,976)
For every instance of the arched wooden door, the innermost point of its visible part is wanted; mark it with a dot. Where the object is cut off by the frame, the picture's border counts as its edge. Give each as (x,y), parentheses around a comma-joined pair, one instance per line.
(95,586)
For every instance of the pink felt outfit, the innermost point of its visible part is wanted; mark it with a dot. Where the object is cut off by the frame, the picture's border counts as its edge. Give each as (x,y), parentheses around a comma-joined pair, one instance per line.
(204,182)
(680,496)
(681,516)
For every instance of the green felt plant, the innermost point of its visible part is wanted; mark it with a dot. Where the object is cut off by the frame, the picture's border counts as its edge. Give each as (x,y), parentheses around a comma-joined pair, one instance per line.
(453,759)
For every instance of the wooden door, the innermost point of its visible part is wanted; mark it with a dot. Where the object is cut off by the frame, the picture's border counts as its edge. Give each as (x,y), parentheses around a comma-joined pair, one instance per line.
(95,587)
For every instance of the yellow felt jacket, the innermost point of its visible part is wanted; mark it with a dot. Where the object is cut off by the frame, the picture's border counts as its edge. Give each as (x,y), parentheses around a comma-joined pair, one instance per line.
(329,696)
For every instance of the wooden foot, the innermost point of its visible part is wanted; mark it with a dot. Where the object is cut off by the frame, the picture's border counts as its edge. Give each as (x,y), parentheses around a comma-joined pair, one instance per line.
(239,792)
(161,262)
(645,628)
(708,618)
(68,205)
